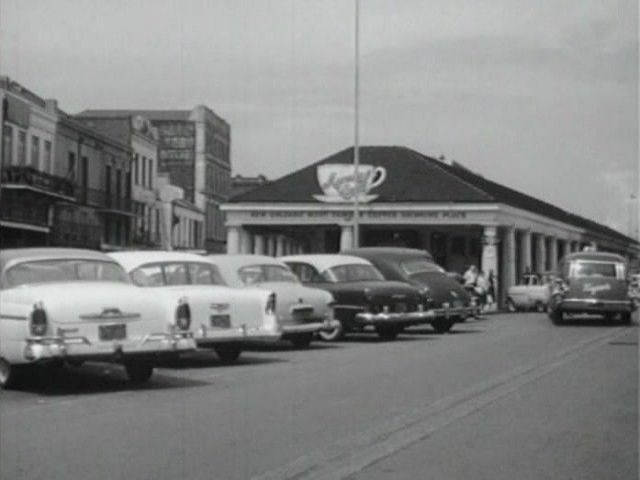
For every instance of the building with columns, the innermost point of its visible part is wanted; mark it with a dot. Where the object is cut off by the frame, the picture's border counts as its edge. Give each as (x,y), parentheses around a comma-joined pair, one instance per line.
(408,199)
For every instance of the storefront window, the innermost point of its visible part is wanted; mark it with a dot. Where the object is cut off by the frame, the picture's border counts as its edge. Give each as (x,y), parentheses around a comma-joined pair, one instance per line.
(7,145)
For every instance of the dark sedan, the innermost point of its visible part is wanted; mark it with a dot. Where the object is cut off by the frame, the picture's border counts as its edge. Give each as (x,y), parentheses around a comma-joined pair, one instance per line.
(449,302)
(363,297)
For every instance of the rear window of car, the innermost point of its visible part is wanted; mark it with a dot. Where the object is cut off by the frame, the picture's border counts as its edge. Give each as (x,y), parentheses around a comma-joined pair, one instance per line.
(420,265)
(355,273)
(255,274)
(176,273)
(583,269)
(65,270)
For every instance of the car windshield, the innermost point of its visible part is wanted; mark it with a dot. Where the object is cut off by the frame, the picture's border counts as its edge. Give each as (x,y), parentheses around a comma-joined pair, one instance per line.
(354,273)
(593,269)
(176,273)
(65,270)
(254,274)
(420,265)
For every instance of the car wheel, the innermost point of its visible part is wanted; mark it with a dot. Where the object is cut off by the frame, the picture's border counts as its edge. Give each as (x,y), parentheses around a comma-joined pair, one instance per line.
(139,372)
(302,340)
(556,317)
(9,374)
(228,353)
(332,335)
(625,318)
(388,333)
(511,307)
(540,307)
(442,326)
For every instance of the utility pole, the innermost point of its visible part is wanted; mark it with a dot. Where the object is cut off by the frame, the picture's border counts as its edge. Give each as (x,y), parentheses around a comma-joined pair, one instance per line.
(356,133)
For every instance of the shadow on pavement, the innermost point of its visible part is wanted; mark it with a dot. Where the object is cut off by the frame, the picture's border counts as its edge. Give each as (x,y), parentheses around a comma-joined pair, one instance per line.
(209,359)
(93,378)
(374,338)
(285,346)
(593,322)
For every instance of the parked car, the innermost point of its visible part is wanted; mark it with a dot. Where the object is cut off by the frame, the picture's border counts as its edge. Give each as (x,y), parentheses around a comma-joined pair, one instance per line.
(363,297)
(60,305)
(592,283)
(302,311)
(224,318)
(531,294)
(448,302)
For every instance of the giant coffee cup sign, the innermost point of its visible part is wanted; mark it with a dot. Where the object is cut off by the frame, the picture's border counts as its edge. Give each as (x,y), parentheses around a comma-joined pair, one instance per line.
(340,184)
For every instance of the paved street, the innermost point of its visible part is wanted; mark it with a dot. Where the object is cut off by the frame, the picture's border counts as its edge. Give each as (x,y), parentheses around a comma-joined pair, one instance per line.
(508,396)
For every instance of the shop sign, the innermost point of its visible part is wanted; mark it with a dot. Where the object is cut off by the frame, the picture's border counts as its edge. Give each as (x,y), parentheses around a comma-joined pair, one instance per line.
(340,184)
(370,215)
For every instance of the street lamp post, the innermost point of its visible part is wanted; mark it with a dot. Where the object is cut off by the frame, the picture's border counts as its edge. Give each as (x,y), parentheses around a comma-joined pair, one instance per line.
(356,132)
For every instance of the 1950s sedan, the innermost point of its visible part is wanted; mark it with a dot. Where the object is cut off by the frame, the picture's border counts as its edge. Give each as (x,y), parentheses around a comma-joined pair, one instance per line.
(71,305)
(591,283)
(531,293)
(224,318)
(448,302)
(302,311)
(363,297)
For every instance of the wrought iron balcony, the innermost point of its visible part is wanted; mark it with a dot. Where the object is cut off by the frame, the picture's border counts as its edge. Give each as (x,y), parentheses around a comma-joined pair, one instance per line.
(22,176)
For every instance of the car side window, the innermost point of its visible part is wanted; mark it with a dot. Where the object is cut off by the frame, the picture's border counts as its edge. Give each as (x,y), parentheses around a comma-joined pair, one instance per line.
(306,273)
(148,276)
(176,274)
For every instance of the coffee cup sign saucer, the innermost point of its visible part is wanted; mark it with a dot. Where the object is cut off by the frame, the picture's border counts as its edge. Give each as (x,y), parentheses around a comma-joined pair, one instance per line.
(339,183)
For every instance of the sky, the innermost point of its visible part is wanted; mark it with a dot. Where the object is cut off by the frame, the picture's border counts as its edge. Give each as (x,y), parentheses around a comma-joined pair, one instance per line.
(541,96)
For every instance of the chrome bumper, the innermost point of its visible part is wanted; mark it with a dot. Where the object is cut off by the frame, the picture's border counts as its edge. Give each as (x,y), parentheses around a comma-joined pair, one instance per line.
(325,326)
(407,318)
(593,305)
(207,336)
(55,347)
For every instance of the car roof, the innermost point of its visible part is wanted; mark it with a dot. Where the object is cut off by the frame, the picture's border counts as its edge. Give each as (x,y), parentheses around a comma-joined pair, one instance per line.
(325,261)
(134,258)
(9,255)
(599,256)
(240,260)
(388,251)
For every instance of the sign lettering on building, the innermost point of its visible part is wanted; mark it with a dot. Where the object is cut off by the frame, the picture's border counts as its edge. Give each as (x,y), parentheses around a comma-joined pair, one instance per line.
(378,215)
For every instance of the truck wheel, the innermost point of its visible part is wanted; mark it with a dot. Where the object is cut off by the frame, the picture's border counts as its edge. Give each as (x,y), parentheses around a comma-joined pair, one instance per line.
(10,374)
(333,335)
(139,372)
(388,333)
(302,340)
(228,353)
(442,326)
(511,307)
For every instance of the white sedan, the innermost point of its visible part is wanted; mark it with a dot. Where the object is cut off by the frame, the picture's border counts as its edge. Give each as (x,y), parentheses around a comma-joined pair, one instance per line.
(302,311)
(61,305)
(224,318)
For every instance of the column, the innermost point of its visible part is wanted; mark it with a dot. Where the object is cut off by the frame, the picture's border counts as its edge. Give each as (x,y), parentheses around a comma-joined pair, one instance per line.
(245,241)
(575,246)
(525,251)
(233,239)
(346,237)
(258,244)
(279,246)
(489,258)
(541,253)
(508,260)
(553,253)
(271,245)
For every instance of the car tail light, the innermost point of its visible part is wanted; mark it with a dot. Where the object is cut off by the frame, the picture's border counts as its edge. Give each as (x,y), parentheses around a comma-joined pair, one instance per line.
(38,324)
(271,304)
(183,315)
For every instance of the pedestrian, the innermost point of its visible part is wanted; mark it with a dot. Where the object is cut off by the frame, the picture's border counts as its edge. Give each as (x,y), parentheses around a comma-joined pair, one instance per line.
(481,289)
(470,277)
(491,290)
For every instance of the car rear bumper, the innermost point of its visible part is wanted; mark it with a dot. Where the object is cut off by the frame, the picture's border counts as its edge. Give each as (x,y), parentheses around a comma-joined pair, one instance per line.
(321,326)
(81,348)
(209,337)
(592,305)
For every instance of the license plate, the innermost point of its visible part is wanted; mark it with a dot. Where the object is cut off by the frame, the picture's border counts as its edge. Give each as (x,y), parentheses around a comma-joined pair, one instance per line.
(401,307)
(446,305)
(220,321)
(302,313)
(112,332)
